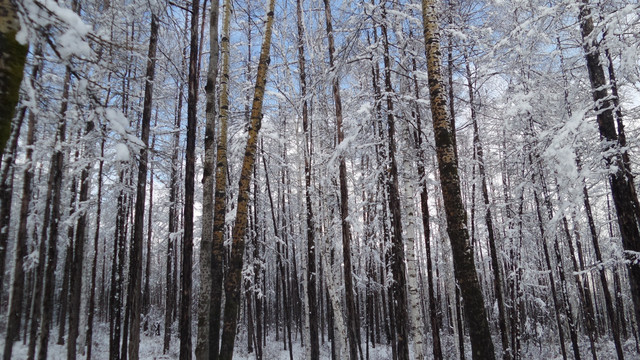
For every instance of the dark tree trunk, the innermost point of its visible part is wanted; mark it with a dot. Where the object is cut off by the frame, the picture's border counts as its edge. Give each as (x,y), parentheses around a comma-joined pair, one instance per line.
(66,274)
(495,261)
(14,56)
(134,298)
(17,287)
(352,321)
(203,341)
(552,283)
(608,300)
(434,318)
(75,279)
(312,300)
(50,226)
(189,190)
(36,300)
(464,264)
(174,224)
(232,284)
(94,264)
(398,265)
(624,196)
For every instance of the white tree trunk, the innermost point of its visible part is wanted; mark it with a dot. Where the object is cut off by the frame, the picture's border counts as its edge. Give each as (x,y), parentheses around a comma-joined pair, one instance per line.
(335,297)
(416,326)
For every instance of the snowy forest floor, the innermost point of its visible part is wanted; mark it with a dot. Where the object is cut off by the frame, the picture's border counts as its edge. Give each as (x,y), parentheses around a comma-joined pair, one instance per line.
(151,348)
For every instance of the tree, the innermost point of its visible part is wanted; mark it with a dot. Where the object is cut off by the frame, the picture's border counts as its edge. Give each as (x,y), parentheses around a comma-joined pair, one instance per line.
(220,193)
(624,197)
(206,268)
(135,260)
(13,55)
(311,303)
(464,266)
(187,240)
(353,326)
(232,283)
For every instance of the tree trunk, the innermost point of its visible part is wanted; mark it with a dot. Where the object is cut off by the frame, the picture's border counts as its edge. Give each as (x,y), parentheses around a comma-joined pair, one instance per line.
(615,329)
(424,207)
(51,226)
(311,303)
(146,289)
(495,261)
(17,288)
(552,283)
(624,197)
(220,194)
(464,267)
(66,275)
(397,261)
(173,225)
(12,59)
(134,297)
(257,272)
(353,326)
(414,298)
(94,265)
(206,269)
(75,279)
(189,190)
(233,283)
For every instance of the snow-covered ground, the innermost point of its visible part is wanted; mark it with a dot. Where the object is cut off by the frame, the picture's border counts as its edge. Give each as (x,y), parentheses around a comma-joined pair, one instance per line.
(151,349)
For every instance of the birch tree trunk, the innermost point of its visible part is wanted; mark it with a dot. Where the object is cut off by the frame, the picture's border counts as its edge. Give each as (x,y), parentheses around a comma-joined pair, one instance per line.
(414,298)
(339,330)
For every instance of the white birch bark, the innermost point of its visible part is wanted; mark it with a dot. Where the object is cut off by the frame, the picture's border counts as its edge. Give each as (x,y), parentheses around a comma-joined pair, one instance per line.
(416,327)
(340,330)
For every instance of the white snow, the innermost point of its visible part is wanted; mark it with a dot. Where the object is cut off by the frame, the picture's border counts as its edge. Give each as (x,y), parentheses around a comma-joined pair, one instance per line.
(122,152)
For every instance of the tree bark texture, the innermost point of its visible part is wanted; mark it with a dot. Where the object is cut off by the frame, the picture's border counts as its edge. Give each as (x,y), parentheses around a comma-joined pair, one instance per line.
(189,190)
(233,282)
(352,326)
(624,197)
(204,302)
(311,303)
(464,265)
(12,59)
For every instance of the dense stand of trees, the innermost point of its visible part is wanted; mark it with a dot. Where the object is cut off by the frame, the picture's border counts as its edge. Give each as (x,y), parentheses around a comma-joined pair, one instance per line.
(365,179)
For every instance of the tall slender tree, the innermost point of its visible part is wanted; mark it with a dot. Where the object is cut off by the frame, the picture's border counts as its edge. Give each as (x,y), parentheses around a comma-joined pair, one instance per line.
(464,264)
(189,190)
(233,283)
(206,268)
(135,264)
(311,304)
(625,199)
(352,327)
